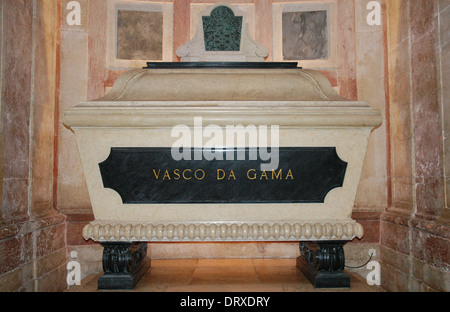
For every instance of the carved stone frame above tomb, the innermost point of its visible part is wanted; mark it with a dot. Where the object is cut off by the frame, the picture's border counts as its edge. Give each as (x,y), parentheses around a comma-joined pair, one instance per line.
(222,22)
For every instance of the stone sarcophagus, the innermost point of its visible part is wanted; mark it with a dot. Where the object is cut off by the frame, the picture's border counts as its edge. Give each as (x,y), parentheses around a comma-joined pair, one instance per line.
(231,150)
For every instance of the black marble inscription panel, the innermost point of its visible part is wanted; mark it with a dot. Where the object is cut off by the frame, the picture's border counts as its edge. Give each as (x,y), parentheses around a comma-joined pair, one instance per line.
(151,175)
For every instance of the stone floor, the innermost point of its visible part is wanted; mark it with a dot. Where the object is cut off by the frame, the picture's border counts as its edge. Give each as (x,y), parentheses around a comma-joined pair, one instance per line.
(226,275)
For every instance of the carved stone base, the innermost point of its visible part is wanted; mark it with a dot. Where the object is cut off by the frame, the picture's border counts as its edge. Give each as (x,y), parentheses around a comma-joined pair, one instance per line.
(323,264)
(124,265)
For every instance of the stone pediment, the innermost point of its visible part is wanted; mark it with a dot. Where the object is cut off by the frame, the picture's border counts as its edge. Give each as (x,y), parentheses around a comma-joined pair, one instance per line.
(222,35)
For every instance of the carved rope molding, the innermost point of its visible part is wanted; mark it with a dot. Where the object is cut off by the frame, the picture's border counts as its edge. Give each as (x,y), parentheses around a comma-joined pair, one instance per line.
(223,232)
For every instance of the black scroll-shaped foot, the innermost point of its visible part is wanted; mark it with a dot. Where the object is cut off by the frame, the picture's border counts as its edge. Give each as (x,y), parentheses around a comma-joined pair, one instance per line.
(124,265)
(323,264)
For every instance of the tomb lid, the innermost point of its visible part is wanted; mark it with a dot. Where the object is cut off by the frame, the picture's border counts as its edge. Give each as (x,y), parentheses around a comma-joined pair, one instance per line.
(221,82)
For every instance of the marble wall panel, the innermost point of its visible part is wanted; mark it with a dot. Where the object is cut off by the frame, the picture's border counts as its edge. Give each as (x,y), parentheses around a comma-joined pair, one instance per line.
(11,281)
(50,239)
(300,28)
(444,93)
(49,262)
(398,20)
(399,89)
(15,251)
(431,249)
(427,132)
(305,35)
(429,278)
(139,35)
(135,32)
(1,94)
(423,13)
(15,199)
(444,26)
(54,281)
(15,107)
(395,236)
(415,251)
(43,105)
(393,267)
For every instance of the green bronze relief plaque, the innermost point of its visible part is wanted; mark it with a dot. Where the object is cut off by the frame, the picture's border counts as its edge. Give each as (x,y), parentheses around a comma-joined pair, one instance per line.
(222,30)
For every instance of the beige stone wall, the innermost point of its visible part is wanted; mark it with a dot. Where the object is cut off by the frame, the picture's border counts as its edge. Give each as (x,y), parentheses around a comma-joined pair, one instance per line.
(32,232)
(372,191)
(415,239)
(72,191)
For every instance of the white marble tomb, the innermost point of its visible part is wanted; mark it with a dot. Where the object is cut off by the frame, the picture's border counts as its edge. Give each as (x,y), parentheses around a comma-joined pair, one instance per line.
(144,106)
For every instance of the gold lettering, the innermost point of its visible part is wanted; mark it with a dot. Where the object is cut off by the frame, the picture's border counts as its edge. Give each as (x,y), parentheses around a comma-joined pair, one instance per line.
(231,175)
(166,174)
(253,177)
(184,176)
(195,174)
(156,175)
(220,171)
(263,174)
(290,175)
(278,175)
(176,172)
